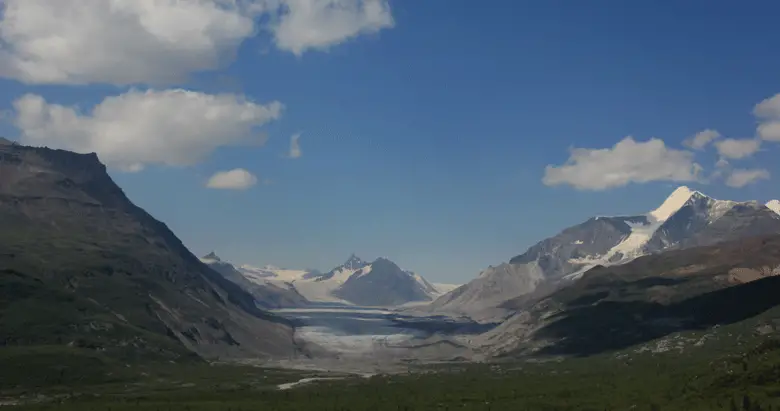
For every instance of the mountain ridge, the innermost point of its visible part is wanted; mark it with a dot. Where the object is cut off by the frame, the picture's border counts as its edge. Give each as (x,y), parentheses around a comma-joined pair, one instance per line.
(72,234)
(647,298)
(686,218)
(354,282)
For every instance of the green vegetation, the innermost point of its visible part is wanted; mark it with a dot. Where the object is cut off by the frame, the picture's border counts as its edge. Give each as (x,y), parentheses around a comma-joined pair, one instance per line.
(32,313)
(729,371)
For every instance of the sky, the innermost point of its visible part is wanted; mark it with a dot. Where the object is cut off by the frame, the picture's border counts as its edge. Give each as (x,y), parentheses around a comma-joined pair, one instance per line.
(444,136)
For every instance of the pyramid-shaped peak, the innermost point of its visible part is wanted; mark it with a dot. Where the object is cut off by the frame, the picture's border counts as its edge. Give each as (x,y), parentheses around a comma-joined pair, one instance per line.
(211,256)
(354,262)
(774,205)
(674,202)
(383,260)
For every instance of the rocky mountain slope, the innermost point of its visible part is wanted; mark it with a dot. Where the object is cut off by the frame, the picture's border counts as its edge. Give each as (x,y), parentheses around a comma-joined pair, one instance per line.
(80,265)
(355,282)
(686,219)
(267,295)
(613,307)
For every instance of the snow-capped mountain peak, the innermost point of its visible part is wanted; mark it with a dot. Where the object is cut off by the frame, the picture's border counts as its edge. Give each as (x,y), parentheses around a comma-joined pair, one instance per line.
(356,282)
(687,218)
(679,197)
(774,205)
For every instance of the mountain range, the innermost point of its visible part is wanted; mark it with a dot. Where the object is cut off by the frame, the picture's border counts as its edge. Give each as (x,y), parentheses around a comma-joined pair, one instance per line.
(687,218)
(81,266)
(355,282)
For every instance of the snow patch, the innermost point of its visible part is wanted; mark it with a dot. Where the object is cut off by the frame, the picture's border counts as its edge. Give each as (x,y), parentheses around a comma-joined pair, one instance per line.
(774,205)
(719,208)
(445,288)
(673,203)
(316,289)
(261,275)
(630,248)
(363,271)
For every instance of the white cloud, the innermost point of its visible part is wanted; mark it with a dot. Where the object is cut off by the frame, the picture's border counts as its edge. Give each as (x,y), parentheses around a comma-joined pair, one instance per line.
(736,148)
(118,41)
(236,179)
(628,161)
(156,42)
(769,130)
(742,177)
(768,108)
(137,128)
(295,146)
(320,24)
(702,139)
(768,114)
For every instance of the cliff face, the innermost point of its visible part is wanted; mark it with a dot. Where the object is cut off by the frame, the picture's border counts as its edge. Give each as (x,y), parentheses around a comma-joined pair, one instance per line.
(72,243)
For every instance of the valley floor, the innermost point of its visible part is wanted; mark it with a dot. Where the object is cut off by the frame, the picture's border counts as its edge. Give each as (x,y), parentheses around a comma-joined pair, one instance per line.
(368,340)
(667,381)
(730,367)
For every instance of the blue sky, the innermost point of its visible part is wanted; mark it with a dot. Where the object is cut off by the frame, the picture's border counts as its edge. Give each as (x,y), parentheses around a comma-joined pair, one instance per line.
(425,126)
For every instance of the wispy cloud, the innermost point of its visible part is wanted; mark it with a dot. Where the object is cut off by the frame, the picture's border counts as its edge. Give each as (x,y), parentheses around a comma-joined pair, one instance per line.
(741,177)
(295,146)
(702,139)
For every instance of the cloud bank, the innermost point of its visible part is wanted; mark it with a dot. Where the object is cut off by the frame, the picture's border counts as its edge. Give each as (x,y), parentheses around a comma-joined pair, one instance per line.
(628,161)
(138,128)
(127,42)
